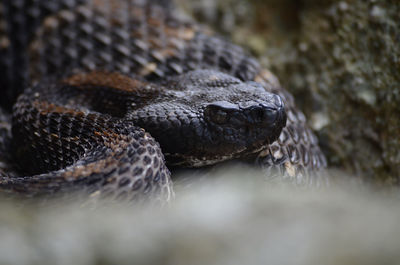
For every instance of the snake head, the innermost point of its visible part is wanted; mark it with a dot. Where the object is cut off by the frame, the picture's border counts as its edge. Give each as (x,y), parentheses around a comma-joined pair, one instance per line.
(246,126)
(208,116)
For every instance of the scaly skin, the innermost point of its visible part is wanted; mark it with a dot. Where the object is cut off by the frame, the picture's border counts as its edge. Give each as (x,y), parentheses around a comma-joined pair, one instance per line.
(151,49)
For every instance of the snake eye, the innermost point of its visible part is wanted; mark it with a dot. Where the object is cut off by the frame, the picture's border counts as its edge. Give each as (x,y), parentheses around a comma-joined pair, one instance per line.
(261,114)
(258,114)
(219,112)
(219,116)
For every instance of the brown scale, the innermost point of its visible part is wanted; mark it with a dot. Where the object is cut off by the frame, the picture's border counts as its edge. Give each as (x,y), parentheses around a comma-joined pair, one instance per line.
(67,150)
(125,45)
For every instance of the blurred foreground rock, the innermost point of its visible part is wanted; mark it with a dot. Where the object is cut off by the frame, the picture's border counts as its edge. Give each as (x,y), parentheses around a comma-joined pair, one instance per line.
(237,218)
(340,59)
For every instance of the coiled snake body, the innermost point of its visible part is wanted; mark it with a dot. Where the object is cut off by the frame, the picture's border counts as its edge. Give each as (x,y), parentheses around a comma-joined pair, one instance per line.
(105,77)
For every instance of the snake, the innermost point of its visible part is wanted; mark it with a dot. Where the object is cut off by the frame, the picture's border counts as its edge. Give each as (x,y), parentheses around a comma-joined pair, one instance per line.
(105,97)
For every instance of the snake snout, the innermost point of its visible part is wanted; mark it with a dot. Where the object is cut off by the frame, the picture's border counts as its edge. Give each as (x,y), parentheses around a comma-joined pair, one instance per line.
(266,114)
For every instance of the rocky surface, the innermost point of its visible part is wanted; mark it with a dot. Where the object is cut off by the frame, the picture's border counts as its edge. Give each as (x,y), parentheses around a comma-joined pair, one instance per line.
(341,60)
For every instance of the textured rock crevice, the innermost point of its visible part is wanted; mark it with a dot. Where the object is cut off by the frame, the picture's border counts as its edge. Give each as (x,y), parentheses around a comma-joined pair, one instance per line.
(341,60)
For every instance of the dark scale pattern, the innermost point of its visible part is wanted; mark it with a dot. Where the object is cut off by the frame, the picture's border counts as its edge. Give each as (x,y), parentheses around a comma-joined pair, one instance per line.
(19,20)
(99,70)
